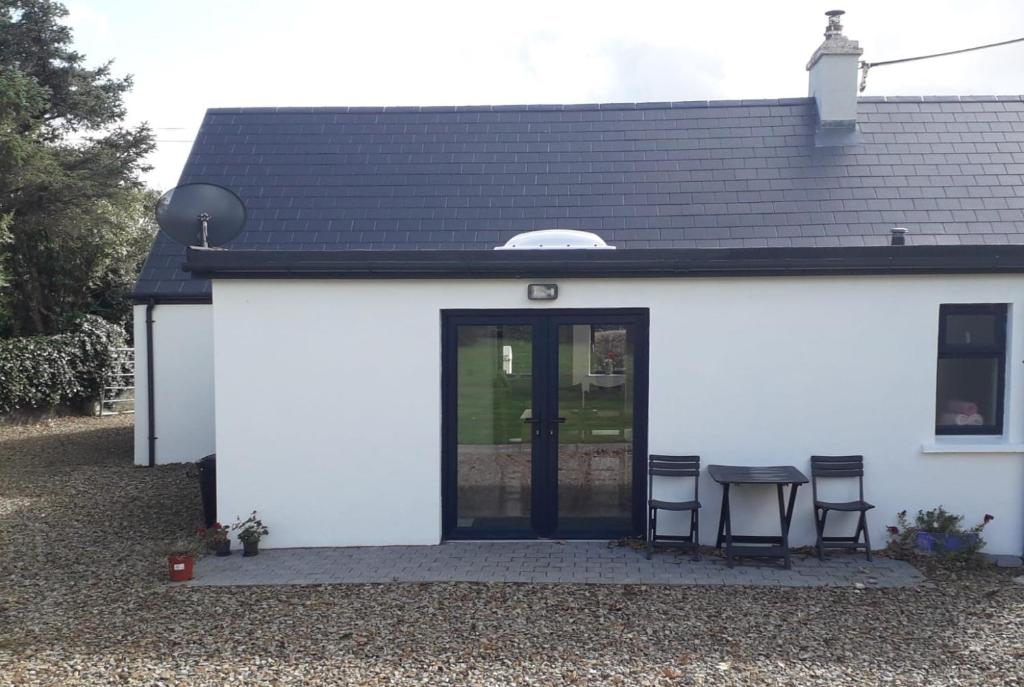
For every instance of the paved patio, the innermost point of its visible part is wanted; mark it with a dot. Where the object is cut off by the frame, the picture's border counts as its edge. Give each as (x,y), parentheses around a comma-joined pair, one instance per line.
(545,561)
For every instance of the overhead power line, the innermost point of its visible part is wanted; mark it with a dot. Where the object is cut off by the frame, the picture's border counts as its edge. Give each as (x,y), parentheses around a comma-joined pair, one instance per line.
(865,66)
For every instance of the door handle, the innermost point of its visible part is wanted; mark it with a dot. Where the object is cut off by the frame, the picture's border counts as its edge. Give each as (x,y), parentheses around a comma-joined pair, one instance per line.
(536,422)
(556,421)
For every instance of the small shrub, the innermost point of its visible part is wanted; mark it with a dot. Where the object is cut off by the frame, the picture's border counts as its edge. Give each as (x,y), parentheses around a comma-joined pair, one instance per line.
(251,529)
(904,536)
(65,369)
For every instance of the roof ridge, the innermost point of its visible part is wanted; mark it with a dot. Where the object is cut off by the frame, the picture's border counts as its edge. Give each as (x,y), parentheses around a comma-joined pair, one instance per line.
(568,107)
(940,98)
(554,107)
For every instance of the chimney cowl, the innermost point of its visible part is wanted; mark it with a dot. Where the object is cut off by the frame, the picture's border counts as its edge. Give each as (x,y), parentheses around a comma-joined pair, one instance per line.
(834,28)
(835,42)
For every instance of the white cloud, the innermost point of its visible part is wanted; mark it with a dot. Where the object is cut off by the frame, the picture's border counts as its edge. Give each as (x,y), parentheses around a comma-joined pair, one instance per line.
(195,54)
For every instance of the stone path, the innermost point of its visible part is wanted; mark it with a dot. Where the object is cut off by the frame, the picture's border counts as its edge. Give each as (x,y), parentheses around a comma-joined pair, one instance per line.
(544,561)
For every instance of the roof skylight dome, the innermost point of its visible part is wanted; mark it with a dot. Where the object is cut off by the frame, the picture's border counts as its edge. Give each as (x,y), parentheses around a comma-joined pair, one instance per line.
(555,239)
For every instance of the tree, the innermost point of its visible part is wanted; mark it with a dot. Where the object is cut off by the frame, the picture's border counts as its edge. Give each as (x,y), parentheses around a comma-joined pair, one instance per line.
(20,100)
(74,218)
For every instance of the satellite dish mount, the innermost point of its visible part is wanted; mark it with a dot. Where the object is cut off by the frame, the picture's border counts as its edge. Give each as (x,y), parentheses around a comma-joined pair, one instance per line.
(204,218)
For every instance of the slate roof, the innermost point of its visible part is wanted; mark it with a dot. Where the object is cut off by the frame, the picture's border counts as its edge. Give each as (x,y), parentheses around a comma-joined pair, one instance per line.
(720,174)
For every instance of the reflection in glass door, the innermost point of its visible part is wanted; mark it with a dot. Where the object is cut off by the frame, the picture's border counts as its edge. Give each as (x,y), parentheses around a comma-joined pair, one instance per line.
(495,387)
(544,423)
(595,441)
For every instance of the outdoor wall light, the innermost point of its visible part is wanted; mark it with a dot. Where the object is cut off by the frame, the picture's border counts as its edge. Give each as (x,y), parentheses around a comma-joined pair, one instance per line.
(542,292)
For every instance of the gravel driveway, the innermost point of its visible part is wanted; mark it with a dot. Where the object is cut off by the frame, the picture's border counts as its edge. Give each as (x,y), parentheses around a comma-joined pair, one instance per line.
(83,602)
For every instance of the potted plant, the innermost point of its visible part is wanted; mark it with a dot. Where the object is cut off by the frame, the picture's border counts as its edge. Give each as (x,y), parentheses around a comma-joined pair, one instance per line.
(938,531)
(250,531)
(181,561)
(216,539)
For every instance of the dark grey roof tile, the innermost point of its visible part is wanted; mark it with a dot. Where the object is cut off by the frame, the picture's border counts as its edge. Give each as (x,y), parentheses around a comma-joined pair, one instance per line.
(692,174)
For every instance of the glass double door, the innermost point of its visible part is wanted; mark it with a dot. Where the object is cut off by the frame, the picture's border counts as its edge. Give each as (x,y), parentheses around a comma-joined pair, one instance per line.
(544,423)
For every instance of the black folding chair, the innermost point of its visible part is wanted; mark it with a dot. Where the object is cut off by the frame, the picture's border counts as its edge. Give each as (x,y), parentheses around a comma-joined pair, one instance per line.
(673,466)
(829,467)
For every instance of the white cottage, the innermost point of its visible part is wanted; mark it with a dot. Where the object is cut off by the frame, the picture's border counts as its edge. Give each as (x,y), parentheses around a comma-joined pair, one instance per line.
(369,370)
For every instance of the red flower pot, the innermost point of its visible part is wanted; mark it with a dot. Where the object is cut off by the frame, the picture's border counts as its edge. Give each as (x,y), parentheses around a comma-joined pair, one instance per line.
(180,567)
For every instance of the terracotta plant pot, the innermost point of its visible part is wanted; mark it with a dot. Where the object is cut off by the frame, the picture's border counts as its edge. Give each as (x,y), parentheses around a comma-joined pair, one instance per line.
(180,567)
(250,548)
(223,548)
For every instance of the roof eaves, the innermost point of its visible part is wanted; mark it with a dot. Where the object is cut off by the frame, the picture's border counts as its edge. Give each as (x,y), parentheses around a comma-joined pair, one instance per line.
(155,294)
(637,263)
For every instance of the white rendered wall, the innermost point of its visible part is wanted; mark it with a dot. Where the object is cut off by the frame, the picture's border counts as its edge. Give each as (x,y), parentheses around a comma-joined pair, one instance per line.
(328,396)
(833,85)
(183,382)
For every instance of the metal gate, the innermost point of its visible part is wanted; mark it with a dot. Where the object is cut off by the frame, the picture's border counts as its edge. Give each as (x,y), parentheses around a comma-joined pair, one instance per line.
(119,386)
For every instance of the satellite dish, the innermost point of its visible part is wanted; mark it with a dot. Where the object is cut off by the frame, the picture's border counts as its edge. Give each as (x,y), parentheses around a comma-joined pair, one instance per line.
(200,214)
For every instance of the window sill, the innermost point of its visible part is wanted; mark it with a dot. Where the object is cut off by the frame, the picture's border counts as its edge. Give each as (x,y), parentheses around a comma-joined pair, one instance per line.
(971,445)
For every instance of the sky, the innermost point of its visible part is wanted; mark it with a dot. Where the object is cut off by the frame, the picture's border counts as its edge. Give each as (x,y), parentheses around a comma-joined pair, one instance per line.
(189,55)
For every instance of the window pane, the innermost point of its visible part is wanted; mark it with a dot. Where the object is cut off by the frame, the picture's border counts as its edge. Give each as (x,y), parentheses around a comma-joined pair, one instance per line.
(967,393)
(494,397)
(595,443)
(971,329)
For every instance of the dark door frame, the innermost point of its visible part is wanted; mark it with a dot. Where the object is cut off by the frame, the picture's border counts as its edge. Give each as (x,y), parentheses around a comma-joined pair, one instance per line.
(545,469)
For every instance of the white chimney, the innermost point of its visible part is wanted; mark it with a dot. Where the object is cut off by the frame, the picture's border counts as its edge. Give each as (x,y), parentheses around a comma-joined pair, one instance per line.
(833,82)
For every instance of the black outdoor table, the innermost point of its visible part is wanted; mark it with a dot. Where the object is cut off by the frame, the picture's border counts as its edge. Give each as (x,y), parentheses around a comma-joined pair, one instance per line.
(770,547)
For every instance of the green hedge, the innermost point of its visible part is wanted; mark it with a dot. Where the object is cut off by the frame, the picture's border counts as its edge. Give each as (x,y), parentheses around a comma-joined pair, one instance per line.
(66,369)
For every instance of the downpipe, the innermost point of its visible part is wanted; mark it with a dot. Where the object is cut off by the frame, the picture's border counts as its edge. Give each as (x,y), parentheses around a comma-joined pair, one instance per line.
(150,401)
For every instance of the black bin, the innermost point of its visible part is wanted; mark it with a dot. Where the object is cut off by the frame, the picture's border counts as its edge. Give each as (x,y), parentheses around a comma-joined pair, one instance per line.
(208,487)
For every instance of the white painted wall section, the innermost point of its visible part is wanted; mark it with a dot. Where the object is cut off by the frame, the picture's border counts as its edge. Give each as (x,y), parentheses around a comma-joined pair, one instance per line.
(328,396)
(183,382)
(833,85)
